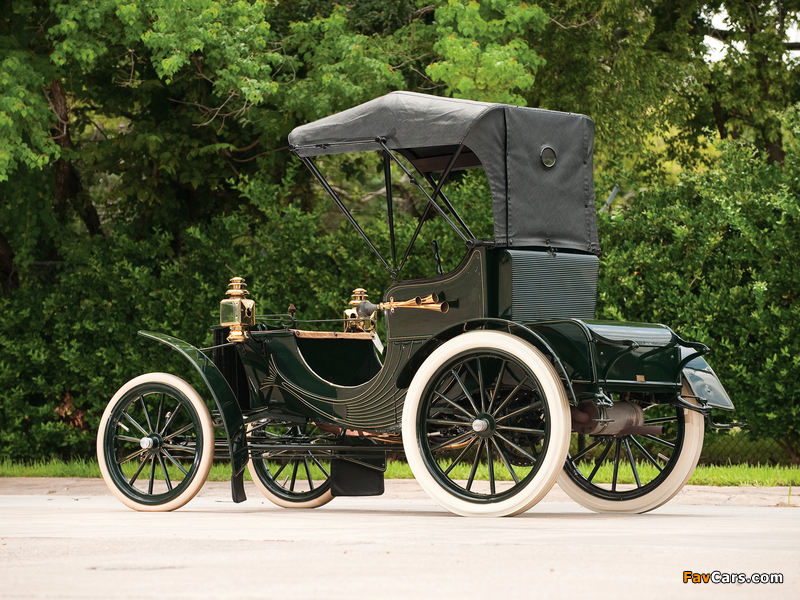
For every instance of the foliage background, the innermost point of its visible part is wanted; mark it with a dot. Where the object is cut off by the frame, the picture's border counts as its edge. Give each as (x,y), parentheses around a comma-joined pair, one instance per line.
(143,160)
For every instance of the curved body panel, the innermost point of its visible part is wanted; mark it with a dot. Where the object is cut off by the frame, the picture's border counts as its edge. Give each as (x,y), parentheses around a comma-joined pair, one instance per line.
(283,380)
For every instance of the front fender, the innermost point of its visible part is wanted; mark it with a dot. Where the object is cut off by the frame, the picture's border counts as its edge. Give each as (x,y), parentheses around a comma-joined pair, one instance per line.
(226,403)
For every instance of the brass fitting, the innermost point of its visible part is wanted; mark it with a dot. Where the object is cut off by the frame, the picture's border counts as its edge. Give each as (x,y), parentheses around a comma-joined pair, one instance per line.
(353,322)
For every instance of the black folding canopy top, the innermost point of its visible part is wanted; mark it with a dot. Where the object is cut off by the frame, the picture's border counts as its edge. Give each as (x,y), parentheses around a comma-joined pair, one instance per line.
(538,162)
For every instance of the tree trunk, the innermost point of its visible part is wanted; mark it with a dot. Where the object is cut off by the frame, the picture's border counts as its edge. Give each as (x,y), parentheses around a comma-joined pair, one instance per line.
(68,187)
(775,152)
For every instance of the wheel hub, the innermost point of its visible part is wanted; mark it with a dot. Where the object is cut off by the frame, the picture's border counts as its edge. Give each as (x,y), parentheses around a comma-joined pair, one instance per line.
(151,442)
(484,425)
(480,425)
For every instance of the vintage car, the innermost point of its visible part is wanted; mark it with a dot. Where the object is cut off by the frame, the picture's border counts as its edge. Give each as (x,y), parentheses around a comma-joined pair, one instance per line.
(495,380)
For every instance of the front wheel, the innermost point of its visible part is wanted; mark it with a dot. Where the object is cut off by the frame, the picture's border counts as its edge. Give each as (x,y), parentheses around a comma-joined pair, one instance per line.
(155,444)
(645,471)
(485,425)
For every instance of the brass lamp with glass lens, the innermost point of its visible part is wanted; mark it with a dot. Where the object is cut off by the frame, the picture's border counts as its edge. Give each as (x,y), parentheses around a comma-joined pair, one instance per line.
(236,311)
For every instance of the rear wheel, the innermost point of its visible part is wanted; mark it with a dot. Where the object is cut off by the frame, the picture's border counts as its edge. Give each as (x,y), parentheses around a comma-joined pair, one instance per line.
(485,425)
(155,444)
(290,478)
(646,471)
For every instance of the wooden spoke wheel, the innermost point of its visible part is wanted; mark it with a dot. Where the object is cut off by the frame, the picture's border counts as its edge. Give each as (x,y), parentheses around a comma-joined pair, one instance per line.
(645,470)
(292,479)
(155,444)
(485,425)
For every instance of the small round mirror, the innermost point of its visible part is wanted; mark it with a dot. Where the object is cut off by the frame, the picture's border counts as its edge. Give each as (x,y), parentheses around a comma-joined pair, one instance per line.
(548,156)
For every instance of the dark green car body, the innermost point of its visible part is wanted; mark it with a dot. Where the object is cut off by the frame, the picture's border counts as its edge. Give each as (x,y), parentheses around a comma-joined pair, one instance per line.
(537,280)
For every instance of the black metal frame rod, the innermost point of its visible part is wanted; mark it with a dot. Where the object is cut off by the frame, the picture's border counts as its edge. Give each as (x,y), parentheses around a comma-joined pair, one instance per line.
(422,220)
(450,207)
(438,187)
(324,146)
(277,449)
(387,176)
(313,168)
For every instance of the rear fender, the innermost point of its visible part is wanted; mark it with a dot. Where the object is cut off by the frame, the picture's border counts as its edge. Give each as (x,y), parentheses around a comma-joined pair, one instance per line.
(407,373)
(704,383)
(226,403)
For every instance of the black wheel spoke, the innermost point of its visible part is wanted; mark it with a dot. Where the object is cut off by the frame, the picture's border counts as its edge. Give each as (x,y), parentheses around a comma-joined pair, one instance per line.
(525,409)
(601,459)
(146,414)
(294,475)
(497,384)
(466,391)
(160,410)
(170,419)
(490,464)
(319,466)
(174,434)
(456,406)
(461,455)
(633,463)
(133,422)
(616,465)
(136,474)
(646,453)
(152,475)
(308,473)
(586,450)
(511,396)
(452,441)
(504,458)
(516,447)
(131,456)
(442,386)
(127,438)
(174,462)
(481,390)
(536,432)
(283,466)
(177,447)
(444,422)
(474,468)
(166,475)
(653,438)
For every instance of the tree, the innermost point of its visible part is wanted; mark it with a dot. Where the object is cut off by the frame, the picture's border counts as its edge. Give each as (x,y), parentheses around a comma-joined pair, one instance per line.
(714,258)
(484,50)
(757,77)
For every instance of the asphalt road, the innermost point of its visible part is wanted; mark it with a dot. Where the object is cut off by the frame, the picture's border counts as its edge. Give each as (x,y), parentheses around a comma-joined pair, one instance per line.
(72,539)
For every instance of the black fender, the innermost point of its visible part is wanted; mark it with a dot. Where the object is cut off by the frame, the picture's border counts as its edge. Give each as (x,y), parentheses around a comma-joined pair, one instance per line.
(704,383)
(408,371)
(226,403)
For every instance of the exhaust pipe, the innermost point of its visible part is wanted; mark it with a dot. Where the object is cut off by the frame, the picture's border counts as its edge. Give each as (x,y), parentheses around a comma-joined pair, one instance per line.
(623,418)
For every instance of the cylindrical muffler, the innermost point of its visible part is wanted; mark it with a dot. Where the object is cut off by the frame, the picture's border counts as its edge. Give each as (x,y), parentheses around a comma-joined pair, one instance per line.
(620,418)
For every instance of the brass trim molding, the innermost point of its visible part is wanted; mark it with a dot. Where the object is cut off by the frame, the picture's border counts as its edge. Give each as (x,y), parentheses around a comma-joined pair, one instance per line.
(329,335)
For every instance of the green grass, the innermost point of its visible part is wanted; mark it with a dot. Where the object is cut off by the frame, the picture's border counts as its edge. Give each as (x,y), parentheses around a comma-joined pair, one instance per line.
(730,475)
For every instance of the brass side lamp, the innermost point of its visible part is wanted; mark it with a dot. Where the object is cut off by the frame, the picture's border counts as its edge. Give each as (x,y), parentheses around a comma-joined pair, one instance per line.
(355,320)
(236,311)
